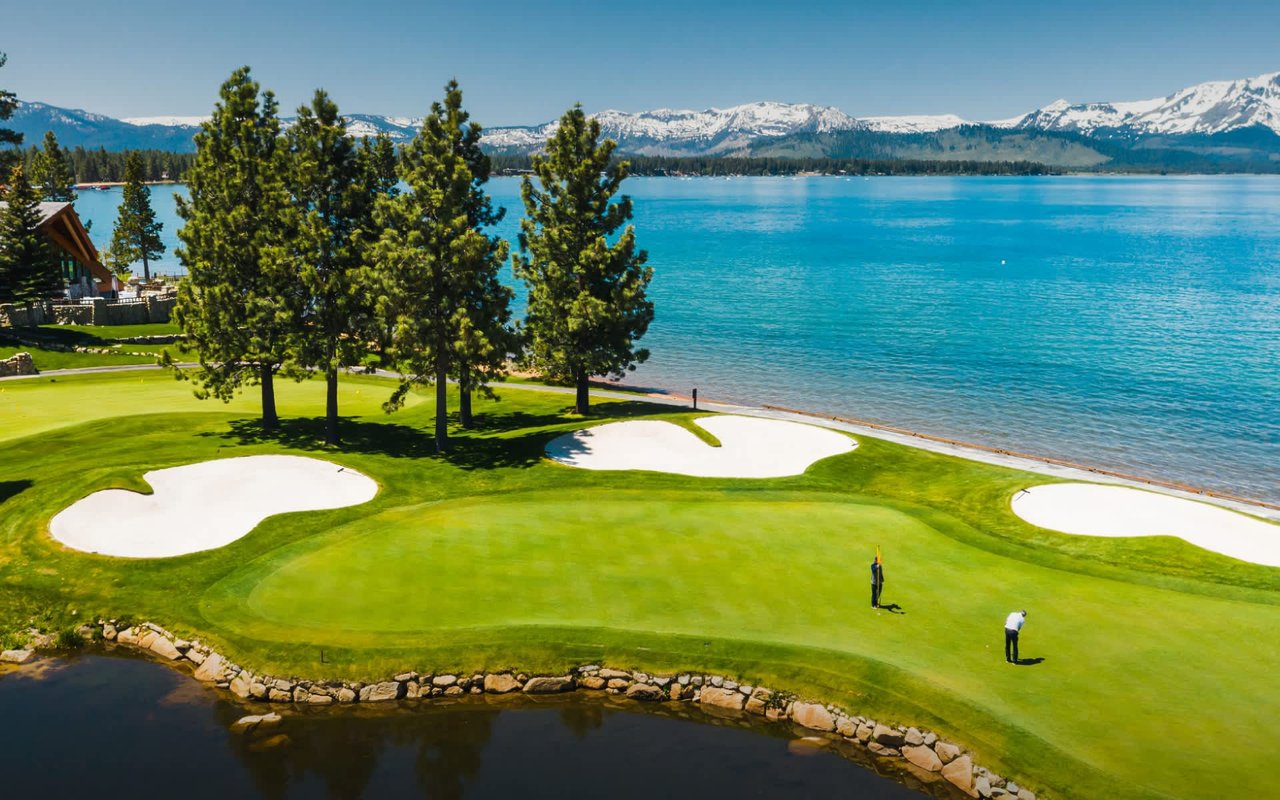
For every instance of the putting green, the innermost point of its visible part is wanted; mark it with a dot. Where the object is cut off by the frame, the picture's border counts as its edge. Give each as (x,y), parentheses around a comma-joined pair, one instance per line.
(1157,656)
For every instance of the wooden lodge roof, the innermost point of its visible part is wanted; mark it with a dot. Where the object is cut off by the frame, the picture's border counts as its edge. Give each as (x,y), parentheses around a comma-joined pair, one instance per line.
(61,223)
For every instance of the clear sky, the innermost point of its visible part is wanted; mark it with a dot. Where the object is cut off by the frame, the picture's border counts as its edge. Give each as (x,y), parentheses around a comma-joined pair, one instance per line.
(525,62)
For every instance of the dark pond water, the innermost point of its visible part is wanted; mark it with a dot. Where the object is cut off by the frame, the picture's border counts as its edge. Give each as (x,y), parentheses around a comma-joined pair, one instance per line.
(110,726)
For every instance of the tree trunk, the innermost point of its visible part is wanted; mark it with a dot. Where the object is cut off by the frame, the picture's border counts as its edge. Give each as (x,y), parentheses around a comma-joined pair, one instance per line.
(146,271)
(442,409)
(269,419)
(331,407)
(583,404)
(464,406)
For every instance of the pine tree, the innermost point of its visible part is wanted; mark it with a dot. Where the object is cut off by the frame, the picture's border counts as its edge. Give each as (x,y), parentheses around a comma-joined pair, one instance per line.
(137,233)
(8,104)
(432,253)
(238,306)
(587,302)
(52,172)
(333,185)
(30,264)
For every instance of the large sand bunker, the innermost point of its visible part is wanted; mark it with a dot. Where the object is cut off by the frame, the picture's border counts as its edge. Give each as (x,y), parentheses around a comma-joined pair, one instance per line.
(750,447)
(203,506)
(1094,510)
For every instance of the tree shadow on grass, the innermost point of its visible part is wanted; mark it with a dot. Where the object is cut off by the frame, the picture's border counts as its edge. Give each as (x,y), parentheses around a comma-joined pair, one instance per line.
(11,489)
(358,436)
(519,420)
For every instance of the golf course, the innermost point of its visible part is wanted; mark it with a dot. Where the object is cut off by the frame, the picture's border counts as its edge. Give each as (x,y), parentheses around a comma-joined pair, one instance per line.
(1149,663)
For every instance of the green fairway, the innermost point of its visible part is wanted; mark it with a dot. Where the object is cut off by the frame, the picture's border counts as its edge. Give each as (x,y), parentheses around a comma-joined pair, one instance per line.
(1157,656)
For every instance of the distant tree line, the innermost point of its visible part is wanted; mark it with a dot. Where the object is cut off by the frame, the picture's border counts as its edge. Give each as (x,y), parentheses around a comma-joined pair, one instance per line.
(94,166)
(719,166)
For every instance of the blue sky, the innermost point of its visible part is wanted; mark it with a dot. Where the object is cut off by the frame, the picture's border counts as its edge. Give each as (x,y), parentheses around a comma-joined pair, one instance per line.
(525,62)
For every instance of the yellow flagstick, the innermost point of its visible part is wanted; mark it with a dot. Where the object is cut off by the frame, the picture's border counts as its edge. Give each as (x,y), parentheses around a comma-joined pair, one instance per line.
(878,559)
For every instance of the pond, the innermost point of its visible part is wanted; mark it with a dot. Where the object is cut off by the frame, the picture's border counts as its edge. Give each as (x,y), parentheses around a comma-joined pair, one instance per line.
(108,725)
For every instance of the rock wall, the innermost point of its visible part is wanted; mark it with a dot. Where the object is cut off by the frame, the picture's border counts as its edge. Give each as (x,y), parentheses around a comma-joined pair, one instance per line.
(17,364)
(922,753)
(99,311)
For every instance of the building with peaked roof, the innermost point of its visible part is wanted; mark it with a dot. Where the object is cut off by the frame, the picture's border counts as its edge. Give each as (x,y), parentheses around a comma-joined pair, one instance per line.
(82,271)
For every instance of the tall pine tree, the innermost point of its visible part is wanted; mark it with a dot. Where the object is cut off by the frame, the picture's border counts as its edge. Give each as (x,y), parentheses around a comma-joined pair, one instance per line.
(30,264)
(238,305)
(9,138)
(136,236)
(333,185)
(51,171)
(587,295)
(432,255)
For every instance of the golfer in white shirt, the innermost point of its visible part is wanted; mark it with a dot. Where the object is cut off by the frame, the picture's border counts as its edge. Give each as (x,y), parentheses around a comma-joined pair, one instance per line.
(1012,625)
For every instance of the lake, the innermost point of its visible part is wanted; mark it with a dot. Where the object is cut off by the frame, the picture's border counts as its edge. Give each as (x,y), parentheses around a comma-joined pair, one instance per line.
(104,726)
(1131,323)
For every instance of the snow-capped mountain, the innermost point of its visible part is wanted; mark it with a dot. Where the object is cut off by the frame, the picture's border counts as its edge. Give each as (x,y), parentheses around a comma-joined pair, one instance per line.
(668,131)
(1206,108)
(916,123)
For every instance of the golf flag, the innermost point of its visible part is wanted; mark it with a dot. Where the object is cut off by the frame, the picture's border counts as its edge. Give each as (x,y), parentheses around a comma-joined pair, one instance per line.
(878,559)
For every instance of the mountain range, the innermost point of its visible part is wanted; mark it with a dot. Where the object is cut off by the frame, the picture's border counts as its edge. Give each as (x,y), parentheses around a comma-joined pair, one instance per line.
(1208,127)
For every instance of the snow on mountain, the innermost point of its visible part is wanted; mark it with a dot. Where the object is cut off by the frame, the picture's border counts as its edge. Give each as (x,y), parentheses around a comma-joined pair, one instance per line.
(167,121)
(712,130)
(915,123)
(1213,107)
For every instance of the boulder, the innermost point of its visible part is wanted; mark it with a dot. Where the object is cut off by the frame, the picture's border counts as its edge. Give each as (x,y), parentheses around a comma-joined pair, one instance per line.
(254,722)
(959,771)
(721,698)
(211,669)
(775,713)
(981,785)
(923,757)
(946,751)
(346,695)
(258,691)
(382,692)
(500,683)
(549,685)
(1026,794)
(756,703)
(17,656)
(607,674)
(275,695)
(644,692)
(846,727)
(405,677)
(242,685)
(914,737)
(319,699)
(163,647)
(444,681)
(618,683)
(887,736)
(813,716)
(593,682)
(865,732)
(677,691)
(412,690)
(128,636)
(454,691)
(885,752)
(109,632)
(930,739)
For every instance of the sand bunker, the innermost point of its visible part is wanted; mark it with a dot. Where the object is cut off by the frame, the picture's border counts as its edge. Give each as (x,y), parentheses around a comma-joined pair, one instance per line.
(750,447)
(1094,510)
(207,505)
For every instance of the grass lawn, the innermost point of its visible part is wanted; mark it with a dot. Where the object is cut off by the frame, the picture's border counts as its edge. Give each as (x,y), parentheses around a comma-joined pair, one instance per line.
(94,336)
(1158,657)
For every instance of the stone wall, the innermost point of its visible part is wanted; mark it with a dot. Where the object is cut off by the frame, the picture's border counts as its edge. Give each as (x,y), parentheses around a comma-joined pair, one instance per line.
(99,311)
(920,753)
(17,364)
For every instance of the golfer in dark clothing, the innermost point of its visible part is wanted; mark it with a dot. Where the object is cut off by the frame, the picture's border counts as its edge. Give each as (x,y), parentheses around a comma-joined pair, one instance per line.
(1012,626)
(877,581)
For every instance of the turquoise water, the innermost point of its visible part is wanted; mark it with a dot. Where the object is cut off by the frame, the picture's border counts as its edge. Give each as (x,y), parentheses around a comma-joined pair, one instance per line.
(1130,322)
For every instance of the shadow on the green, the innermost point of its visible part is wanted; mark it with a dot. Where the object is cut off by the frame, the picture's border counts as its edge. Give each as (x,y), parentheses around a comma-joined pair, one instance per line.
(11,489)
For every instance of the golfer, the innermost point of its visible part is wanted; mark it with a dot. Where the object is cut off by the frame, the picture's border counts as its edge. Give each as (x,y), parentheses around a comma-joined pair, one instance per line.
(1012,626)
(877,581)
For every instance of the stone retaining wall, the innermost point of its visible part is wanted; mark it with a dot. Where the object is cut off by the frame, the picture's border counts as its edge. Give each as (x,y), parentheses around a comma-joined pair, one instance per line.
(17,364)
(921,752)
(100,311)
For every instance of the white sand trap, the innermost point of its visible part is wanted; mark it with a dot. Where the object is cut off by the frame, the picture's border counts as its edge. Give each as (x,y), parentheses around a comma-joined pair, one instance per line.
(1093,510)
(750,447)
(203,506)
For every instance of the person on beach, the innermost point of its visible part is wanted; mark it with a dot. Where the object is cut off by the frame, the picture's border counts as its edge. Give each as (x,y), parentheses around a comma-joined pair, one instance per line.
(1012,626)
(877,580)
